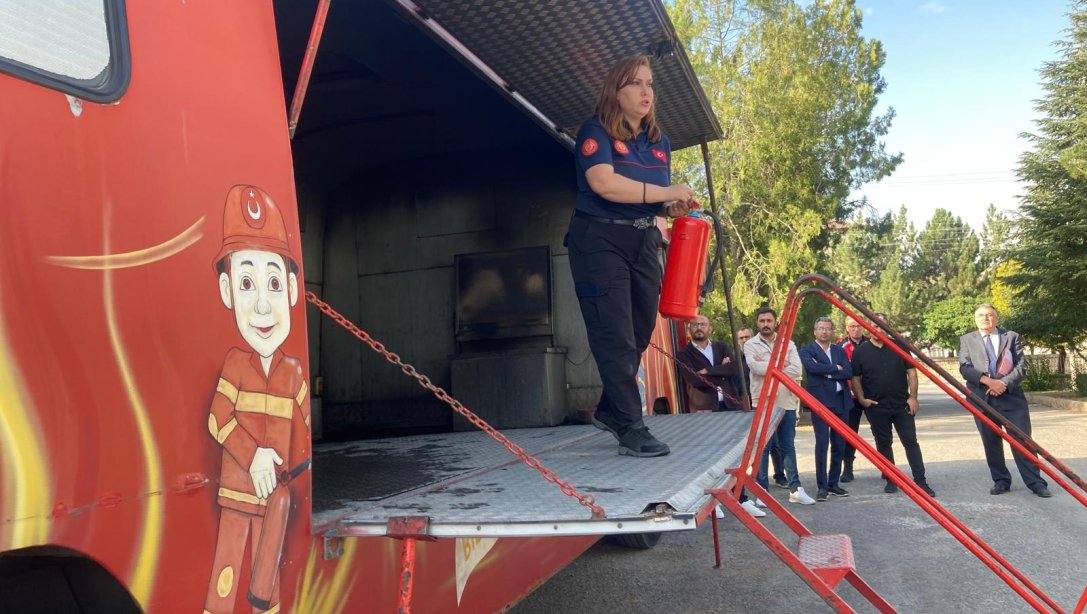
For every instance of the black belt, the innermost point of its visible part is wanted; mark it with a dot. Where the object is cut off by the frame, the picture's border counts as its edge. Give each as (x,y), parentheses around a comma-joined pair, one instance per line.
(640,223)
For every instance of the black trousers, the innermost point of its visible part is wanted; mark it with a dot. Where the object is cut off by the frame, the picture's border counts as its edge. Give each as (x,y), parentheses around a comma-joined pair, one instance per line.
(994,451)
(882,419)
(617,277)
(854,423)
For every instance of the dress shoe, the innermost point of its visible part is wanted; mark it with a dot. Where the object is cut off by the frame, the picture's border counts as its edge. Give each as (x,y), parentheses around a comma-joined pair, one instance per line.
(999,489)
(1043,492)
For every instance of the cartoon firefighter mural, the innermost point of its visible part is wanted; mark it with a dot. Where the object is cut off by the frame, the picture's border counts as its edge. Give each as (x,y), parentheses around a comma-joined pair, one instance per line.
(259,414)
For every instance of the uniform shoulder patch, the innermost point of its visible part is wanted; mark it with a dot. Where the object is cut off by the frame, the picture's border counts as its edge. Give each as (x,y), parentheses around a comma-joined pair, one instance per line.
(621,147)
(589,147)
(660,155)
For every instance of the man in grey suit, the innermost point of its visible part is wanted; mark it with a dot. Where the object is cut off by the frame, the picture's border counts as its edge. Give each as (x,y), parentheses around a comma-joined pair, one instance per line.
(991,360)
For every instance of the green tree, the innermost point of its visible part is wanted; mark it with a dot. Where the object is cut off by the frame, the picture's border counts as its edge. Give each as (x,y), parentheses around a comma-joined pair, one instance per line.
(945,321)
(893,292)
(795,87)
(997,236)
(946,264)
(857,260)
(1051,236)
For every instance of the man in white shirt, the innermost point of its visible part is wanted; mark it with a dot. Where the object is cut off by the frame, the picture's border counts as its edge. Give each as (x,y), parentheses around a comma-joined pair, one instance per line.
(757,352)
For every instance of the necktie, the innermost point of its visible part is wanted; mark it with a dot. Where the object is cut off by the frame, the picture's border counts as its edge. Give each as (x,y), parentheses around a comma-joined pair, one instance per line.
(991,353)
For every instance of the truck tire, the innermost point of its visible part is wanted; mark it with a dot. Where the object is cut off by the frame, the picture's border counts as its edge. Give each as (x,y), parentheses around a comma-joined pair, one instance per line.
(637,541)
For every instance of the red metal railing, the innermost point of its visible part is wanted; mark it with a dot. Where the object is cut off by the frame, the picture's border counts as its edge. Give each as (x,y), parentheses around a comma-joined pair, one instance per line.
(1020,441)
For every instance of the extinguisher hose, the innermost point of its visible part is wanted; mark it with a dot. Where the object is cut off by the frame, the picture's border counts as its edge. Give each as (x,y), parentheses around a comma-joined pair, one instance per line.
(718,253)
(707,287)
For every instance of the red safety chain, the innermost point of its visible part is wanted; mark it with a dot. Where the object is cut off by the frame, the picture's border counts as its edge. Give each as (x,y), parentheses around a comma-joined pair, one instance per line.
(587,500)
(688,369)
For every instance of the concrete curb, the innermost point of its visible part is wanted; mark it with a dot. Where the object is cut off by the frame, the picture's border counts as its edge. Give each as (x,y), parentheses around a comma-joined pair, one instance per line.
(1074,405)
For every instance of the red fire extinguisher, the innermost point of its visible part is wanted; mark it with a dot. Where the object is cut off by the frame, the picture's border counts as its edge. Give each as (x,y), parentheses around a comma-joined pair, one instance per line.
(685,267)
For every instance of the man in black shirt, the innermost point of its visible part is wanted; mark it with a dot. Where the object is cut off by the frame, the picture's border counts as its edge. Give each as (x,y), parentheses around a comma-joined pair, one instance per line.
(886,386)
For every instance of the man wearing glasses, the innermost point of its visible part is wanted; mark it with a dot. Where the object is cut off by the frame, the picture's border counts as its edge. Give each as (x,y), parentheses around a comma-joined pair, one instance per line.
(716,389)
(991,360)
(829,373)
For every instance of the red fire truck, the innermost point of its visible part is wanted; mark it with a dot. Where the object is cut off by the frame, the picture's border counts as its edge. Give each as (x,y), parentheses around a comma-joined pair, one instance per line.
(167,206)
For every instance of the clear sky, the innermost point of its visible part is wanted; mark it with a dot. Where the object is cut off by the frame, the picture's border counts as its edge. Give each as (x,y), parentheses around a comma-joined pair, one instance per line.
(962,76)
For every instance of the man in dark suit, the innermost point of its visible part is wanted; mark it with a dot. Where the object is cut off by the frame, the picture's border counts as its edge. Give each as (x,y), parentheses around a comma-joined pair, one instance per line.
(714,362)
(991,360)
(829,373)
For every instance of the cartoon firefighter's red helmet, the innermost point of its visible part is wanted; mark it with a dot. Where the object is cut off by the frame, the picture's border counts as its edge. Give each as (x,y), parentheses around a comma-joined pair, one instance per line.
(251,220)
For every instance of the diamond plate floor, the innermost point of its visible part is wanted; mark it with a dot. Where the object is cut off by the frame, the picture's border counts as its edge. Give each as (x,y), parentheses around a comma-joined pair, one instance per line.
(470,485)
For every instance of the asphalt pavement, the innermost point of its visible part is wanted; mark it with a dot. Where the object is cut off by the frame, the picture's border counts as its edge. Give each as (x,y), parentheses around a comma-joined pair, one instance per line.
(900,551)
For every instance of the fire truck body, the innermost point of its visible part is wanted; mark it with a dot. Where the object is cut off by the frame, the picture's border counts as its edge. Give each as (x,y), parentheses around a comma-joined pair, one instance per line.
(156,349)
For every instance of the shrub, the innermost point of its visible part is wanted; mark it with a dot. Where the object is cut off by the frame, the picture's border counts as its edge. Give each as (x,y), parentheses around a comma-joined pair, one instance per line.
(1081,385)
(1039,376)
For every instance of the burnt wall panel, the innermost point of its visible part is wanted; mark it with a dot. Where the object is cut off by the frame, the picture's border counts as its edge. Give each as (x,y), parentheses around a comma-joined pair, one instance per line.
(391,244)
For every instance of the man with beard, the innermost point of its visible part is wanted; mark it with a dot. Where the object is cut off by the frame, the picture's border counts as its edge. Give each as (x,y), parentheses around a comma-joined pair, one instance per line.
(757,351)
(710,380)
(715,390)
(886,386)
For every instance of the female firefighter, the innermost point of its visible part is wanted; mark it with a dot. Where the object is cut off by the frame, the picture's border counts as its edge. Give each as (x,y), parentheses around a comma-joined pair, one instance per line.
(624,183)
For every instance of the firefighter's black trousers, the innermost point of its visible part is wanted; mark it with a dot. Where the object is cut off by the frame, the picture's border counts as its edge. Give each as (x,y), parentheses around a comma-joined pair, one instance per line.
(617,276)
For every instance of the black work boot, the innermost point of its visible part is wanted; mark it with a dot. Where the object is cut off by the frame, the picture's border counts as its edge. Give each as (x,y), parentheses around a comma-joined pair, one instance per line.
(847,472)
(637,441)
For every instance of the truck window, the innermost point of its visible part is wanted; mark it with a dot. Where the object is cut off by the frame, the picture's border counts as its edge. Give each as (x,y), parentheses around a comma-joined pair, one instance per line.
(79,47)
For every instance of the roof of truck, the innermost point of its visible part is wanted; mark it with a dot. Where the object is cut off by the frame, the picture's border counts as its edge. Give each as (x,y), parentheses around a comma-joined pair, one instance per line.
(555,54)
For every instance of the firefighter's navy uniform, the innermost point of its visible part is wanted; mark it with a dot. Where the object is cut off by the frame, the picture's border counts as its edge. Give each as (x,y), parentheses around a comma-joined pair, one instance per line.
(615,264)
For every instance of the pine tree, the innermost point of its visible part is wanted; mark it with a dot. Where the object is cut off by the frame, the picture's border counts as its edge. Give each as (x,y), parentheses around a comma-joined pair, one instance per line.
(1052,233)
(947,260)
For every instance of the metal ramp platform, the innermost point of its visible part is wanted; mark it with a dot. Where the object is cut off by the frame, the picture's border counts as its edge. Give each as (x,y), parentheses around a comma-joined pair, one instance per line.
(469,485)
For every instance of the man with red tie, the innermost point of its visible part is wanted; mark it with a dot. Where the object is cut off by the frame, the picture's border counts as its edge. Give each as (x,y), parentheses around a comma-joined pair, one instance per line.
(992,362)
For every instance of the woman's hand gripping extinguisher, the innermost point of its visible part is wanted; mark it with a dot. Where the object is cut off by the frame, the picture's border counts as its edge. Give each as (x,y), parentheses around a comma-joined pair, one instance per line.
(687,279)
